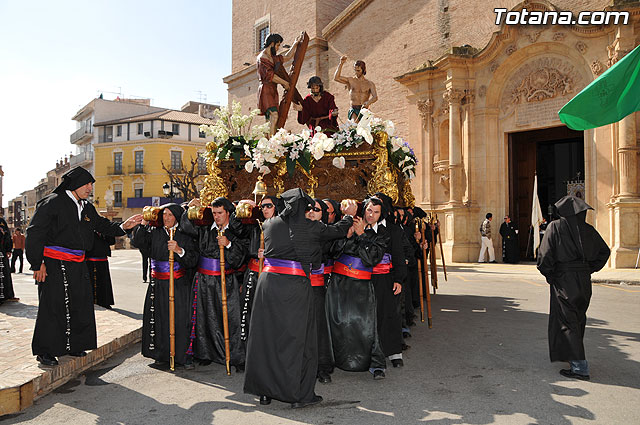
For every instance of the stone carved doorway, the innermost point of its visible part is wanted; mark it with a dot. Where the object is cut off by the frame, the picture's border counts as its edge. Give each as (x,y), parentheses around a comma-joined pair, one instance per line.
(557,156)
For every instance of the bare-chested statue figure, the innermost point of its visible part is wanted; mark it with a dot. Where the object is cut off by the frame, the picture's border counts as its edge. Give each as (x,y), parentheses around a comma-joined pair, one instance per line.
(267,63)
(361,91)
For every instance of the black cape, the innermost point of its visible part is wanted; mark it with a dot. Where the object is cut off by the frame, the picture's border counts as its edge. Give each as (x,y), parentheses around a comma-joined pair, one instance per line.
(60,329)
(570,251)
(282,356)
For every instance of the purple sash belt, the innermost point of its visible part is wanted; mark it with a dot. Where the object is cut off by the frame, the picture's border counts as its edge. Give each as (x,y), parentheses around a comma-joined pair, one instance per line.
(160,269)
(276,265)
(211,267)
(352,266)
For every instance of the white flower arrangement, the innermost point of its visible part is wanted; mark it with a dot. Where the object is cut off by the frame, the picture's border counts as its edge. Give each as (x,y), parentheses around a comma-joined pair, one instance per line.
(236,137)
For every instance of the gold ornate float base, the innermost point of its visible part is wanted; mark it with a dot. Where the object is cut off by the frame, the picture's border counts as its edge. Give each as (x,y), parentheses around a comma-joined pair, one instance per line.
(367,170)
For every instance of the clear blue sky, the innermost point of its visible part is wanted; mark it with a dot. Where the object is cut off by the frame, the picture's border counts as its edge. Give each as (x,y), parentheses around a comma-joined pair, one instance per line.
(55,56)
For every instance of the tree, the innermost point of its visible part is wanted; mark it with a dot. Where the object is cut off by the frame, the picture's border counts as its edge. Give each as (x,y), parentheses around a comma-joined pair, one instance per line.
(185,180)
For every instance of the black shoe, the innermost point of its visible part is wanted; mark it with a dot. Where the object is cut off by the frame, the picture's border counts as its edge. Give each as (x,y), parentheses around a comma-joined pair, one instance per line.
(324,377)
(405,347)
(494,261)
(571,374)
(406,335)
(160,365)
(47,360)
(203,362)
(239,368)
(315,400)
(378,374)
(264,400)
(397,363)
(189,365)
(78,354)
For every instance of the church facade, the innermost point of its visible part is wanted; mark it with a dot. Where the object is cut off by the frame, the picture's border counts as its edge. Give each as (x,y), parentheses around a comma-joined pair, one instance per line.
(477,100)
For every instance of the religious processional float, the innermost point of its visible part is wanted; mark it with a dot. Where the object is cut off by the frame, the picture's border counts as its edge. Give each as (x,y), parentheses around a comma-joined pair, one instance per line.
(359,159)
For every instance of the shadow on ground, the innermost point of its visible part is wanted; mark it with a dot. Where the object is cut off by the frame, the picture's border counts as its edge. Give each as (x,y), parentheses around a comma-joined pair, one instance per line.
(485,360)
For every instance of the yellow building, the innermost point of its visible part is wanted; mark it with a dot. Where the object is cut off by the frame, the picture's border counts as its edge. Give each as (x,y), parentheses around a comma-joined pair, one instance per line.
(130,153)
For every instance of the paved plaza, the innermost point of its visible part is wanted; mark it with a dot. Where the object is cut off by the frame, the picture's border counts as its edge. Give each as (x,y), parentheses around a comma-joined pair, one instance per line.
(485,361)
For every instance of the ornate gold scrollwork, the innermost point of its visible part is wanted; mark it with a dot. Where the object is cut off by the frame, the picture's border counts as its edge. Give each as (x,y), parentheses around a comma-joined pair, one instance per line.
(383,179)
(312,180)
(279,170)
(214,186)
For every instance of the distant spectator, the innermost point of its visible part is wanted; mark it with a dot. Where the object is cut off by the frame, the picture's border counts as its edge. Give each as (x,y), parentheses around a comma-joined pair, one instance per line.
(18,249)
(510,246)
(6,286)
(487,243)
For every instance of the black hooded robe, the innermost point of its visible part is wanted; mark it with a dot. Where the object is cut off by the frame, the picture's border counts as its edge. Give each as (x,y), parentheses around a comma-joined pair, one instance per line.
(6,284)
(98,264)
(570,251)
(155,320)
(64,328)
(209,328)
(282,352)
(351,305)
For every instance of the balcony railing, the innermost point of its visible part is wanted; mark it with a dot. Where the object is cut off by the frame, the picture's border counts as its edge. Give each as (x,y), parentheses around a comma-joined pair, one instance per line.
(82,132)
(80,158)
(105,138)
(136,170)
(115,171)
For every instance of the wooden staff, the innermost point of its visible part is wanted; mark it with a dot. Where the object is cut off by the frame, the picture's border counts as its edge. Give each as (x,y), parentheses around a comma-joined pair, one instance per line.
(172,310)
(424,261)
(432,252)
(444,267)
(225,312)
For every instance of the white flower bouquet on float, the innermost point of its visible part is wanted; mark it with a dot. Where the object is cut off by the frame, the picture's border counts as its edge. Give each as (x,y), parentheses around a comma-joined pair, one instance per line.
(236,138)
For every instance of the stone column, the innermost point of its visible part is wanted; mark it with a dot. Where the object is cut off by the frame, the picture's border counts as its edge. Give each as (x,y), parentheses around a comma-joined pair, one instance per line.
(453,97)
(425,108)
(628,157)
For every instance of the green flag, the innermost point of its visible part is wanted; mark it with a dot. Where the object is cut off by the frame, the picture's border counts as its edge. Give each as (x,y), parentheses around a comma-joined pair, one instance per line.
(609,98)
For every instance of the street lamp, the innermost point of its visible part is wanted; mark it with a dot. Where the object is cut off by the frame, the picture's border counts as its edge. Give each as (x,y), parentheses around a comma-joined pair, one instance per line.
(169,190)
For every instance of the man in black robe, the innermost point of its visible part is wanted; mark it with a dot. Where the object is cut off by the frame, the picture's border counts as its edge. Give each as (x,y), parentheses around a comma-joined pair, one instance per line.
(209,329)
(98,264)
(155,243)
(570,251)
(351,300)
(60,233)
(387,278)
(282,353)
(6,284)
(510,247)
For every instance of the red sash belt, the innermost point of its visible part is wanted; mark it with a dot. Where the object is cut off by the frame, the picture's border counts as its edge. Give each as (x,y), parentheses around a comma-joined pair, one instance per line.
(96,258)
(64,254)
(254,265)
(328,267)
(276,265)
(160,270)
(340,268)
(317,276)
(384,266)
